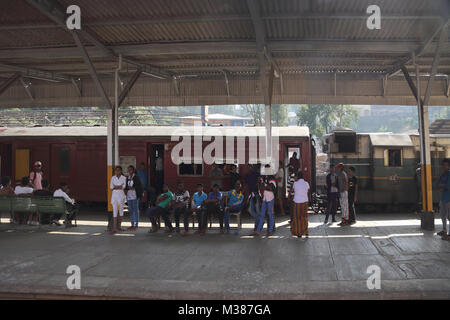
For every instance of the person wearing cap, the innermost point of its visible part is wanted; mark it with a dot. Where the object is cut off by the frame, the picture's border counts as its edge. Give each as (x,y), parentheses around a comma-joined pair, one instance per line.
(343,193)
(36,176)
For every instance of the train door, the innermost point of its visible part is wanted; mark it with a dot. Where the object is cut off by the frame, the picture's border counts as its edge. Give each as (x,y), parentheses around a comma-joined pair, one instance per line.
(292,158)
(22,164)
(62,166)
(155,165)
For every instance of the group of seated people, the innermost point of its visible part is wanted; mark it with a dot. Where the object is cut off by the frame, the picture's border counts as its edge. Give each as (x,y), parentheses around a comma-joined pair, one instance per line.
(203,205)
(26,189)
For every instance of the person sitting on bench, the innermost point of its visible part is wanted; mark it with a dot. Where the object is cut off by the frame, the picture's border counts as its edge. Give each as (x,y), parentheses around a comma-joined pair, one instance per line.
(25,189)
(234,205)
(181,207)
(197,206)
(45,192)
(213,205)
(160,209)
(71,207)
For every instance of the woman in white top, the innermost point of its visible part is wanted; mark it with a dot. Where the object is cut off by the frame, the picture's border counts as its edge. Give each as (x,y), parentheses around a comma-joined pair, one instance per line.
(299,222)
(117,185)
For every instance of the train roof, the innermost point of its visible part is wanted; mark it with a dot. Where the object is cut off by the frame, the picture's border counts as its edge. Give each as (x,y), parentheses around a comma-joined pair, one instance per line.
(391,139)
(152,131)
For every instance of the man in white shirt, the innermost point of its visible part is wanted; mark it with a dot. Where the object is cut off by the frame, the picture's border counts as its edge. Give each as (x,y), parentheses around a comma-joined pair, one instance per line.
(25,189)
(72,207)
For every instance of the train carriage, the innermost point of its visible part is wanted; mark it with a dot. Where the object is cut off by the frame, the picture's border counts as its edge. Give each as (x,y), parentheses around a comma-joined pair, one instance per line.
(386,166)
(78,155)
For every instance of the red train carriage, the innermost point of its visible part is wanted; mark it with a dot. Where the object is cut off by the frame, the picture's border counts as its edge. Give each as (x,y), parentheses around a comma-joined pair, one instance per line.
(77,155)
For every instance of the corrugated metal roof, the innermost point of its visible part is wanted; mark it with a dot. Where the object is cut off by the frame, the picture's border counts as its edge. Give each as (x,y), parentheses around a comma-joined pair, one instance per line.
(142,22)
(147,131)
(390,140)
(440,126)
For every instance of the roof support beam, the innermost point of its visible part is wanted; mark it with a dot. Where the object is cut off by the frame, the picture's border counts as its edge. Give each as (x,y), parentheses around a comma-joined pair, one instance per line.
(27,87)
(53,10)
(129,85)
(36,74)
(447,92)
(411,84)
(227,85)
(78,87)
(8,82)
(92,72)
(443,37)
(262,51)
(176,85)
(419,51)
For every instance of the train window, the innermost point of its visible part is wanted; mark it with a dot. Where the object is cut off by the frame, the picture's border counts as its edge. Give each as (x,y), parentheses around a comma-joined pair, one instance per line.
(189,169)
(64,160)
(346,141)
(393,158)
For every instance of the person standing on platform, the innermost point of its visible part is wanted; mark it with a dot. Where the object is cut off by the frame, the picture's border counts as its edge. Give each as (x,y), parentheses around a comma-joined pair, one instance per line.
(280,190)
(294,162)
(36,176)
(134,192)
(343,194)
(352,194)
(234,176)
(299,223)
(443,184)
(332,195)
(267,205)
(216,175)
(117,185)
(142,174)
(159,172)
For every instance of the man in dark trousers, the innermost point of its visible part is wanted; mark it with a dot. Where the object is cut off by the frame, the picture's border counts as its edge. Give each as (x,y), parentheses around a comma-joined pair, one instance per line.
(332,194)
(352,194)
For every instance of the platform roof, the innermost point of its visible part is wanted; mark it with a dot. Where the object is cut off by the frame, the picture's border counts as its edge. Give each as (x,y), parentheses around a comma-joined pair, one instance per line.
(194,52)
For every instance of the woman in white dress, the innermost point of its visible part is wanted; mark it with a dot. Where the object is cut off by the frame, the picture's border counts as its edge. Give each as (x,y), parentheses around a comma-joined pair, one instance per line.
(117,185)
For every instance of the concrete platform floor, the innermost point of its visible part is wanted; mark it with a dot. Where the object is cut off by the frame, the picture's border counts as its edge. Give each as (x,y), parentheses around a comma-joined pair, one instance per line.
(331,264)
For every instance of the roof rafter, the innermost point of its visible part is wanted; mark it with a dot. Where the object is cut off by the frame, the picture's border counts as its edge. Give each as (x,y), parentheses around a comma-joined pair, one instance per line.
(52,9)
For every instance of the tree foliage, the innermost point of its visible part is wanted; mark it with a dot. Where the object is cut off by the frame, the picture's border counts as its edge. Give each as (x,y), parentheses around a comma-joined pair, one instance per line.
(321,118)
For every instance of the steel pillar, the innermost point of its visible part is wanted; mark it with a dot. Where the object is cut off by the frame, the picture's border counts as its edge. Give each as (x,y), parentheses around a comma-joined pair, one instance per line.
(426,216)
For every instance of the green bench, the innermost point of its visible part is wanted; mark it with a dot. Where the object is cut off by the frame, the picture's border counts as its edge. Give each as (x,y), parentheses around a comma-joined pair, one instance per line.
(27,204)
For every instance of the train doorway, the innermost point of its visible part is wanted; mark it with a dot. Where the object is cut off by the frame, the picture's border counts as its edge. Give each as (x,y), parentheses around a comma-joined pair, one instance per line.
(155,163)
(293,157)
(63,165)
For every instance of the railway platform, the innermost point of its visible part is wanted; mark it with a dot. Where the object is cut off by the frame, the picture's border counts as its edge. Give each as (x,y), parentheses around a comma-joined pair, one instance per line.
(331,264)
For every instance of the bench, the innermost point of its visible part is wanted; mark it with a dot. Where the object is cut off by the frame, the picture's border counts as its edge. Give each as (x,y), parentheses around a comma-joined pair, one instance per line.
(50,205)
(22,204)
(5,204)
(28,204)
